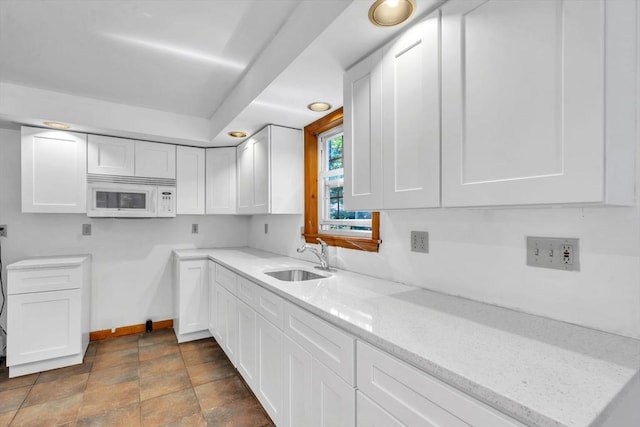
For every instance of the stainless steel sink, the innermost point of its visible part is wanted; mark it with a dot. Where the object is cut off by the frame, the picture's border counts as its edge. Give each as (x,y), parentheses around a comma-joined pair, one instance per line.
(295,275)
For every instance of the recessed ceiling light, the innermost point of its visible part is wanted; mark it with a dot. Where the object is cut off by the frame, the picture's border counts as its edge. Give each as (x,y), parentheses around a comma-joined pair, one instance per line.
(387,13)
(56,125)
(319,106)
(237,134)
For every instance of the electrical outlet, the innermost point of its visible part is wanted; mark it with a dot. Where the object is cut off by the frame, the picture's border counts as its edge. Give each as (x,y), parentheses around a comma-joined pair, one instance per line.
(553,252)
(3,230)
(194,228)
(266,228)
(420,241)
(86,229)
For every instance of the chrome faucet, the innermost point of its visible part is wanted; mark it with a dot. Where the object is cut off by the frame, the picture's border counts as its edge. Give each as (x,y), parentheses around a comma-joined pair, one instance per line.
(322,254)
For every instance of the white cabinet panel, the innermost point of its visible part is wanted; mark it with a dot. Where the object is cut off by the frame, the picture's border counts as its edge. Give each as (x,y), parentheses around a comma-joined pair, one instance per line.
(226,313)
(270,368)
(247,355)
(42,280)
(327,343)
(416,398)
(221,180)
(110,156)
(363,134)
(226,278)
(370,414)
(194,297)
(155,160)
(411,118)
(43,325)
(213,300)
(333,400)
(297,385)
(190,172)
(54,171)
(527,93)
(270,172)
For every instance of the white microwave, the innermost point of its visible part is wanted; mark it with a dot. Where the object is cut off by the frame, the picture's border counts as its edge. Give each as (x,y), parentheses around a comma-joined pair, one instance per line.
(130,197)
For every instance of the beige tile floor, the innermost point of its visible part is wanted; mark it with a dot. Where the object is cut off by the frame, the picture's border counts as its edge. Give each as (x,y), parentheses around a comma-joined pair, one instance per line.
(136,380)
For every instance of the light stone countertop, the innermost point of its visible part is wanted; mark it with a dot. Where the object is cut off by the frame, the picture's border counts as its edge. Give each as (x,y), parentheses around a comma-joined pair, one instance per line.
(540,371)
(49,262)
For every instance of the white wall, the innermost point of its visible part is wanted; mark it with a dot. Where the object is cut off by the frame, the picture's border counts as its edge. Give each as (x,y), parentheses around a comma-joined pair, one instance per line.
(132,273)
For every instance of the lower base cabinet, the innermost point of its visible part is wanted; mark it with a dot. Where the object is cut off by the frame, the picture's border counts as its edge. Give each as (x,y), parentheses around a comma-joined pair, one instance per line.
(269,388)
(334,401)
(297,385)
(370,414)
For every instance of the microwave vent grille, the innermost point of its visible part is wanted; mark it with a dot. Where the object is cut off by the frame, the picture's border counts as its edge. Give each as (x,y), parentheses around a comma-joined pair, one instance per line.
(138,180)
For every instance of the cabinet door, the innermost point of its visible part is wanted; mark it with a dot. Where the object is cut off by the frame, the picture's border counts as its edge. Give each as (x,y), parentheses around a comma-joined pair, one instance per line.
(54,171)
(190,170)
(194,296)
(245,177)
(411,118)
(297,385)
(221,181)
(247,342)
(369,414)
(334,401)
(155,160)
(522,102)
(227,323)
(261,175)
(270,368)
(363,134)
(43,325)
(213,301)
(107,155)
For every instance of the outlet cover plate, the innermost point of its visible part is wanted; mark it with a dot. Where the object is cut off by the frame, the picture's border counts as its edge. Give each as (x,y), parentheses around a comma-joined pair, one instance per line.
(553,252)
(3,232)
(86,229)
(194,228)
(420,241)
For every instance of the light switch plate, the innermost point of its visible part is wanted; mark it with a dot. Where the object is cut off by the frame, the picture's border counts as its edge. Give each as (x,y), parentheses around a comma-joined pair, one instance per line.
(553,252)
(194,228)
(86,229)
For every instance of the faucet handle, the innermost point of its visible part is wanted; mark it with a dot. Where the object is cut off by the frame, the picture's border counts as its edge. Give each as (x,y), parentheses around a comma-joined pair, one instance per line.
(302,248)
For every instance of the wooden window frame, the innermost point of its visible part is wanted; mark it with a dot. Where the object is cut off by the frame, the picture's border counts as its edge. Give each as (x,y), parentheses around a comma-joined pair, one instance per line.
(311,233)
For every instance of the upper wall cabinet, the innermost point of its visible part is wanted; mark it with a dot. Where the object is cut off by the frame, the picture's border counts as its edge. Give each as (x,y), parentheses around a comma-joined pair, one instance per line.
(392,124)
(221,181)
(538,101)
(54,171)
(190,174)
(118,156)
(270,172)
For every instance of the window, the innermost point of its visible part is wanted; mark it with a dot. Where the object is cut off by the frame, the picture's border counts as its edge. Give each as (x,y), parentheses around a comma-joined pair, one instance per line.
(325,216)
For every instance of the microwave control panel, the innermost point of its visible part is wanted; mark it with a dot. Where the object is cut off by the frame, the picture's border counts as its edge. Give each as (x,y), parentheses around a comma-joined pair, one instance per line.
(166,202)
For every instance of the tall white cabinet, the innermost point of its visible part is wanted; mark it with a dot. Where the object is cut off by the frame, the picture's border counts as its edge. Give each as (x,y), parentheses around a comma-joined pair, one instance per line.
(221,180)
(54,171)
(392,124)
(190,180)
(48,313)
(537,102)
(270,173)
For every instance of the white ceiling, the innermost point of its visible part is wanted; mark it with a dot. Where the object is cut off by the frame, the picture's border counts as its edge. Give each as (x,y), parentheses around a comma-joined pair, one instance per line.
(239,63)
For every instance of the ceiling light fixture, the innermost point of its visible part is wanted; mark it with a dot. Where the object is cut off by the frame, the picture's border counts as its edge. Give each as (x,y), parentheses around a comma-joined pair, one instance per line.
(56,125)
(319,106)
(387,13)
(237,134)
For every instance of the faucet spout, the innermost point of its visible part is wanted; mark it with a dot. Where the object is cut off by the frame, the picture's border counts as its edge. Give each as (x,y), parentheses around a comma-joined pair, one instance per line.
(321,254)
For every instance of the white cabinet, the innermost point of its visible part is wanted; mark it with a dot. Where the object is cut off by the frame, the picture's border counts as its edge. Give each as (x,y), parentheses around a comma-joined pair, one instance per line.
(226,314)
(537,102)
(213,300)
(191,300)
(297,385)
(111,156)
(270,172)
(155,160)
(392,124)
(54,171)
(413,397)
(48,313)
(247,362)
(107,155)
(370,414)
(190,180)
(411,118)
(363,134)
(269,387)
(333,400)
(221,180)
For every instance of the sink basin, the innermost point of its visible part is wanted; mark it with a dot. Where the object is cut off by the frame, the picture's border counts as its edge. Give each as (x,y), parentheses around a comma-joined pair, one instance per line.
(295,275)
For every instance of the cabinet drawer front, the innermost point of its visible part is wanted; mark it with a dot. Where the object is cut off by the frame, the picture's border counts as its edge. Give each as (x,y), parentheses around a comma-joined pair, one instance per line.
(416,398)
(370,414)
(326,343)
(43,325)
(226,278)
(270,306)
(247,291)
(43,280)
